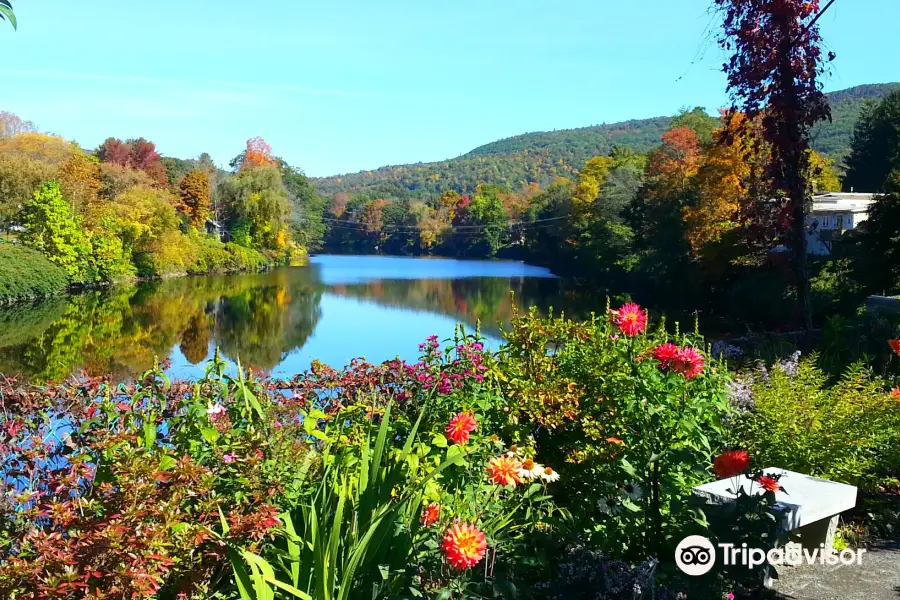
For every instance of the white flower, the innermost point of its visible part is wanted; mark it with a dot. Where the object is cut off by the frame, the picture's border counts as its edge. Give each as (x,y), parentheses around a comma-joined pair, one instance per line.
(610,505)
(530,469)
(549,475)
(631,491)
(214,410)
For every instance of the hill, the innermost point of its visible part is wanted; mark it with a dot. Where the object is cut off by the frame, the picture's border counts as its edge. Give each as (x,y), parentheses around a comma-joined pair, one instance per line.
(539,157)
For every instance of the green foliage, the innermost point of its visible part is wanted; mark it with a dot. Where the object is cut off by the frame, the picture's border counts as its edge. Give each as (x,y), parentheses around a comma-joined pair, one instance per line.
(879,245)
(875,149)
(697,120)
(26,274)
(52,228)
(6,13)
(20,177)
(847,432)
(257,197)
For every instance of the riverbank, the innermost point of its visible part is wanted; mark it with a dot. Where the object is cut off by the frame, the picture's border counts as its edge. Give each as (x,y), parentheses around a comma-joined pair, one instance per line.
(26,275)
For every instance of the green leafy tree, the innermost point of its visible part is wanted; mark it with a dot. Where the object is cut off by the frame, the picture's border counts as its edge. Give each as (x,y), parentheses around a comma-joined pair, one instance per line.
(20,177)
(699,121)
(258,196)
(53,228)
(875,149)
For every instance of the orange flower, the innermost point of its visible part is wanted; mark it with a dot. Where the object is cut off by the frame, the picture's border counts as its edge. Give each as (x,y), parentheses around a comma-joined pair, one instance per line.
(431,514)
(769,484)
(731,463)
(464,546)
(460,427)
(895,346)
(630,319)
(896,393)
(504,470)
(615,440)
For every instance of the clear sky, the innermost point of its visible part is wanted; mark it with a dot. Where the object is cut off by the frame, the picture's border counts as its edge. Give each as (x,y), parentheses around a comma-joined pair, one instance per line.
(338,86)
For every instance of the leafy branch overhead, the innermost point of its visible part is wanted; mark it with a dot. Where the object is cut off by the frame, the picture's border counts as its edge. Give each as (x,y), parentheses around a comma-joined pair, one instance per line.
(6,12)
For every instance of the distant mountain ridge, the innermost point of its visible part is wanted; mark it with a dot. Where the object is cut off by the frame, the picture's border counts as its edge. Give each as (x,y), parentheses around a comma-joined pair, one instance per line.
(538,157)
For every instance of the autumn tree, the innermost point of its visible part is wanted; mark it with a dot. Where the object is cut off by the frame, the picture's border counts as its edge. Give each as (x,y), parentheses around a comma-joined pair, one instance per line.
(50,149)
(194,193)
(774,72)
(79,179)
(11,124)
(677,160)
(256,201)
(257,154)
(698,121)
(20,177)
(135,153)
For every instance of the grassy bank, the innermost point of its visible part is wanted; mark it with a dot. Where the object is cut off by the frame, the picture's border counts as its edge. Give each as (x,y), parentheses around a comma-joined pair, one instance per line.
(26,274)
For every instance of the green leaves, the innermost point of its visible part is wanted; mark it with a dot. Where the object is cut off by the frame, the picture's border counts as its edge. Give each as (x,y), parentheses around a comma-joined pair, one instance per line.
(6,12)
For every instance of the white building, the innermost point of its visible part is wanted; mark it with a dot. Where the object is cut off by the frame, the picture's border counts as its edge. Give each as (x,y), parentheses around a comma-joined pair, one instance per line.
(832,214)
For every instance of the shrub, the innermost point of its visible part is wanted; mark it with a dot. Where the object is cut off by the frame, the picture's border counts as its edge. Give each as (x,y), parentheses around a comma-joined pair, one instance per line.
(847,432)
(632,417)
(55,230)
(26,273)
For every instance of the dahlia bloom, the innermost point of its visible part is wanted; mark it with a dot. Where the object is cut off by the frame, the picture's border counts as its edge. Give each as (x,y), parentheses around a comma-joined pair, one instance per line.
(460,427)
(689,362)
(731,463)
(896,393)
(895,346)
(630,319)
(431,514)
(464,546)
(666,354)
(768,483)
(504,470)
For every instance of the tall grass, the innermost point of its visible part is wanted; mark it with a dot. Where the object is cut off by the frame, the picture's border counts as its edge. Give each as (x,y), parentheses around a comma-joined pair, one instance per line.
(354,536)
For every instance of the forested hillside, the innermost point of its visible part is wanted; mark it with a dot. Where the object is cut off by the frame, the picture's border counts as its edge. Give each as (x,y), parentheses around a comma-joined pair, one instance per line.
(539,157)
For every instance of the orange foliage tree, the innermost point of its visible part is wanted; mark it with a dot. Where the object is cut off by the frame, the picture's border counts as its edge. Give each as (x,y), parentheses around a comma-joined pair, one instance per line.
(674,163)
(258,154)
(194,193)
(79,179)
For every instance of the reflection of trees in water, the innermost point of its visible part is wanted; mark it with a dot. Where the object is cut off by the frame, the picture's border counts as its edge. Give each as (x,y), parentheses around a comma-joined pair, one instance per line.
(485,299)
(119,331)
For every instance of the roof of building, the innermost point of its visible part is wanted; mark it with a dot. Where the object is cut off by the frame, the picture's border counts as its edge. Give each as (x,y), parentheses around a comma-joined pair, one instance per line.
(842,202)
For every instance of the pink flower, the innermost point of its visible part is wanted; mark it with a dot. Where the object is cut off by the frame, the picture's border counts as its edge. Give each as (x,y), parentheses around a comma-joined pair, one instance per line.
(689,362)
(215,411)
(630,319)
(666,354)
(229,458)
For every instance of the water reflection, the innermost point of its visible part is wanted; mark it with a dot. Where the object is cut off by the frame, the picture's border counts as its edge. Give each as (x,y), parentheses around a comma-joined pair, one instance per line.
(335,309)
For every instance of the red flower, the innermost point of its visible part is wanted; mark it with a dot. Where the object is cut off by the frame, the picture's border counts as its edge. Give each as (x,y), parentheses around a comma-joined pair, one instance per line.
(431,514)
(689,362)
(731,463)
(504,470)
(464,545)
(630,319)
(896,393)
(460,427)
(895,346)
(665,354)
(769,484)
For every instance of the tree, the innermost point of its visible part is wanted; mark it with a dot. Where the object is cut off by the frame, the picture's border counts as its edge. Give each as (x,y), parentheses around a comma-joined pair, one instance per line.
(53,228)
(50,149)
(135,153)
(20,177)
(880,240)
(257,154)
(116,179)
(257,199)
(6,13)
(875,149)
(675,162)
(773,72)
(79,179)
(194,193)
(698,121)
(11,124)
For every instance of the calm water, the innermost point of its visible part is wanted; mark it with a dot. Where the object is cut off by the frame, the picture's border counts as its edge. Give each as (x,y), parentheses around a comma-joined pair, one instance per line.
(335,309)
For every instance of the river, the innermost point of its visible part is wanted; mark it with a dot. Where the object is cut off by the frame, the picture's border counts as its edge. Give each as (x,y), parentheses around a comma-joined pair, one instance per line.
(335,309)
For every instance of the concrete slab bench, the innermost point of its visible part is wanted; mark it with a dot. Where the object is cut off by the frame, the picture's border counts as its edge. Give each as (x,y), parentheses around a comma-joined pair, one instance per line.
(809,506)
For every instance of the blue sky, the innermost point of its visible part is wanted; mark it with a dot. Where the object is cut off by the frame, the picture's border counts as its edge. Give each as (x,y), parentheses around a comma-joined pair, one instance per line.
(341,86)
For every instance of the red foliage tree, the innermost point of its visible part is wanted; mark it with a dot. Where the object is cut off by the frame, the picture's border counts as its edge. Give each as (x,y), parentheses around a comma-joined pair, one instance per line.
(137,154)
(774,71)
(677,160)
(115,151)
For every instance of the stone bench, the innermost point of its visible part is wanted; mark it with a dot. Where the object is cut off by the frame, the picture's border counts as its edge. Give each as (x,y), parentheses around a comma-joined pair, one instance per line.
(809,506)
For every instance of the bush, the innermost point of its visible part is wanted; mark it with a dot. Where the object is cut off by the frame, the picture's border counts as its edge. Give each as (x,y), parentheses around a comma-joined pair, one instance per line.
(26,273)
(847,432)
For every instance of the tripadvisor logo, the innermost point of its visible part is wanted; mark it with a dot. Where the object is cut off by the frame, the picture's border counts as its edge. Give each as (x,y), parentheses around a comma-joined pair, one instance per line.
(696,555)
